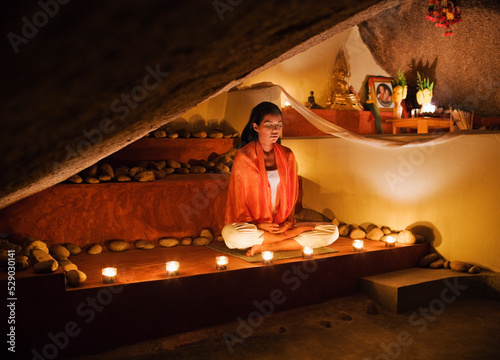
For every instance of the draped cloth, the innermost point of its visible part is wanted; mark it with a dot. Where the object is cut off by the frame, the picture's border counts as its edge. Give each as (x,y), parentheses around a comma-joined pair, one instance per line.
(332,129)
(249,192)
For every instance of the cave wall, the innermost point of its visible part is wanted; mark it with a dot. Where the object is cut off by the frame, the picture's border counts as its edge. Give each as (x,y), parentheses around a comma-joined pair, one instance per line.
(83,79)
(465,67)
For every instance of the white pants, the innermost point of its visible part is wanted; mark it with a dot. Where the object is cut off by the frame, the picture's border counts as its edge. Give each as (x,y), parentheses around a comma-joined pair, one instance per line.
(245,235)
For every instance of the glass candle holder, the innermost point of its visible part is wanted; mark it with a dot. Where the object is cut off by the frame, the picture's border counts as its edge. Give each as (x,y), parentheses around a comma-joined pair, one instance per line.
(267,257)
(307,252)
(109,275)
(221,262)
(390,242)
(172,268)
(357,245)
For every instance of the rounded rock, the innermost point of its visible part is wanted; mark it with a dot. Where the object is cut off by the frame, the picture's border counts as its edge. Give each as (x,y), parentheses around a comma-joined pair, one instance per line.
(123,178)
(75,179)
(427,260)
(439,263)
(375,234)
(118,245)
(44,267)
(199,134)
(206,233)
(145,176)
(144,245)
(91,180)
(59,251)
(201,241)
(198,169)
(73,248)
(75,278)
(94,249)
(34,244)
(172,135)
(474,269)
(216,134)
(159,134)
(460,266)
(386,229)
(69,267)
(446,264)
(344,230)
(357,233)
(186,241)
(168,242)
(405,237)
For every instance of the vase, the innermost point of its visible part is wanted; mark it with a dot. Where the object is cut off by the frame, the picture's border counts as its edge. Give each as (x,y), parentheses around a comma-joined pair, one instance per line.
(398,110)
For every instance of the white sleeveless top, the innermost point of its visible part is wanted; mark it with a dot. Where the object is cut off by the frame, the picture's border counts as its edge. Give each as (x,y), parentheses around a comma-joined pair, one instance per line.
(274,179)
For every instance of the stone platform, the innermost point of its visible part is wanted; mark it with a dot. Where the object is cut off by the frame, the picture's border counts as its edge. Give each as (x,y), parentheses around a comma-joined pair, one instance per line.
(409,289)
(145,303)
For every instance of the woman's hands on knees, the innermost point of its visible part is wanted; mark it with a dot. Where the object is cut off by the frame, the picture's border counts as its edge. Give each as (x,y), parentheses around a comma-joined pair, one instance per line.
(274,228)
(269,227)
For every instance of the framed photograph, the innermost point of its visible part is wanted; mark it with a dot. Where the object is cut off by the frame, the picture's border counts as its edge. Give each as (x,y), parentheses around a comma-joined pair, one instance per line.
(381,92)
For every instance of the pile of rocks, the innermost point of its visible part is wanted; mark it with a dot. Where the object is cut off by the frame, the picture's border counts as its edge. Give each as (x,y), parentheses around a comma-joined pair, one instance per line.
(165,132)
(433,261)
(43,259)
(146,171)
(374,232)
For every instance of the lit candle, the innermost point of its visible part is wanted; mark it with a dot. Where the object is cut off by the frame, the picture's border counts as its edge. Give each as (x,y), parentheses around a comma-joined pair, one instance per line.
(267,257)
(357,245)
(109,275)
(221,262)
(172,268)
(307,252)
(390,242)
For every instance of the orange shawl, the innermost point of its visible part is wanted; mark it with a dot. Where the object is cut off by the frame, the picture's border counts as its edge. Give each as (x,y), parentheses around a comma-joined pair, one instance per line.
(249,193)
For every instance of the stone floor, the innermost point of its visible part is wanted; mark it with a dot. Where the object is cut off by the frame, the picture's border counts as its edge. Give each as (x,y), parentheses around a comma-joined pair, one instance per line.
(464,329)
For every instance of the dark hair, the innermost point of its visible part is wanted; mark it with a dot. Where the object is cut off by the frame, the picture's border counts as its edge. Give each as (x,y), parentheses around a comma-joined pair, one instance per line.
(385,86)
(258,114)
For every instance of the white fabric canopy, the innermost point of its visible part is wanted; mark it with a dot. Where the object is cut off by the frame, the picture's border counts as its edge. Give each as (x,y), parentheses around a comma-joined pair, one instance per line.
(338,131)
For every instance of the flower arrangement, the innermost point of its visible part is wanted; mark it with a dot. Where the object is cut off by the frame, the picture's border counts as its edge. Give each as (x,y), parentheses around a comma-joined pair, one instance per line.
(444,13)
(399,88)
(424,87)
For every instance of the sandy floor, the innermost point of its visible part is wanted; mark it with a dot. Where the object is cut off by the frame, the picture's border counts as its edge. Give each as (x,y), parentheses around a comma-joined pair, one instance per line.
(465,329)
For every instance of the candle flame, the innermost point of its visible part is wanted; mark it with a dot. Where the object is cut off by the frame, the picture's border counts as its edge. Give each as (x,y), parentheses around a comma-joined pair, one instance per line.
(172,266)
(109,271)
(267,255)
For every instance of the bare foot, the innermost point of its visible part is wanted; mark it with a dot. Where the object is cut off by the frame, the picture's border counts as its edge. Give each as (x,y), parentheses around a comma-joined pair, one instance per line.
(254,250)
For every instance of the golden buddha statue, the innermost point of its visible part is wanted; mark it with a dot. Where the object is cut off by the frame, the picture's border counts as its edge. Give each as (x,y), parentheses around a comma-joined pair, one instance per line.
(342,95)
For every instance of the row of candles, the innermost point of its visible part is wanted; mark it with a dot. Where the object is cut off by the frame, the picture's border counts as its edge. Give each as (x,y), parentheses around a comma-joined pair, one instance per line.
(109,274)
(358,245)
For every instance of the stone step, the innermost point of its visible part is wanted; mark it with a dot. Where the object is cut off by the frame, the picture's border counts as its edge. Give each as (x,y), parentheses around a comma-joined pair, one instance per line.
(410,289)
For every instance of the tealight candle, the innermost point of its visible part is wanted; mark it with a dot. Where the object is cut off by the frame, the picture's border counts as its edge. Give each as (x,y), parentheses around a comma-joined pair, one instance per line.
(307,252)
(109,275)
(357,245)
(221,262)
(267,257)
(172,268)
(390,242)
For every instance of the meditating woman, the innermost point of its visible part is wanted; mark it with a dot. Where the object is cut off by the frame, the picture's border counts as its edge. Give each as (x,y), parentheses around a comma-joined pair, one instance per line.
(263,190)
